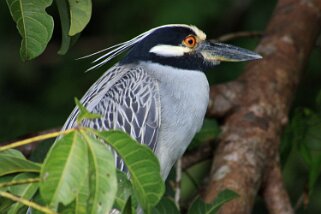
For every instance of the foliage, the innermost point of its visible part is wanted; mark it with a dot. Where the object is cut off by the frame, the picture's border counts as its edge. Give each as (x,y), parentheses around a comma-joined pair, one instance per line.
(303,135)
(36,26)
(301,144)
(78,175)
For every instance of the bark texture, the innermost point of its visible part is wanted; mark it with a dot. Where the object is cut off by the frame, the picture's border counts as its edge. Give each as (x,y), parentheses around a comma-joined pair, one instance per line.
(255,109)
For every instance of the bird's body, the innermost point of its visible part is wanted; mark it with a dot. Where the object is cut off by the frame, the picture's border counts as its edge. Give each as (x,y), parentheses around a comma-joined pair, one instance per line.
(188,92)
(158,93)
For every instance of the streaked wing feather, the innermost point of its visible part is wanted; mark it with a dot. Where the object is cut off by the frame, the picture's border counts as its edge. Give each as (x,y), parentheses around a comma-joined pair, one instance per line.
(129,101)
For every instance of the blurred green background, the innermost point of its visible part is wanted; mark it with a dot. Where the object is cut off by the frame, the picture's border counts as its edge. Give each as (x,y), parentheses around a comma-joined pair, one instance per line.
(38,95)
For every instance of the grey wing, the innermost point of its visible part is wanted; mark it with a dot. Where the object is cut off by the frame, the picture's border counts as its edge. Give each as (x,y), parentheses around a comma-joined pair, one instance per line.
(129,101)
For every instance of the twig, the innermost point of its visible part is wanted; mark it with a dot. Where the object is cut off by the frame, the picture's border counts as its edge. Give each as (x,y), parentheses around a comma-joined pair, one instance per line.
(29,135)
(237,35)
(178,181)
(27,203)
(19,182)
(35,139)
(303,199)
(29,148)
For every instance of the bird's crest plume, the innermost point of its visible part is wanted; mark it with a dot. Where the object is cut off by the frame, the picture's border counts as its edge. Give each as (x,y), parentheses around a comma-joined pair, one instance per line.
(120,48)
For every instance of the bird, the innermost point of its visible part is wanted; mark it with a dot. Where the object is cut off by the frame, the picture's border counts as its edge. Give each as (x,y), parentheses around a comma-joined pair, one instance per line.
(158,92)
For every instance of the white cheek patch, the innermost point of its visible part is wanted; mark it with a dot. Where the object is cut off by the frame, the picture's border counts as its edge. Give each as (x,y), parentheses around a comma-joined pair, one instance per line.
(169,50)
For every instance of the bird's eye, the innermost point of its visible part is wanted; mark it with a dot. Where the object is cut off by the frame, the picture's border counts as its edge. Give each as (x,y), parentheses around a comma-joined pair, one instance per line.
(190,41)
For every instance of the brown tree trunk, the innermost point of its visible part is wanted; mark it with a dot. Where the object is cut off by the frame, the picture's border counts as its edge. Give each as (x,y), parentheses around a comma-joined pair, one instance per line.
(256,110)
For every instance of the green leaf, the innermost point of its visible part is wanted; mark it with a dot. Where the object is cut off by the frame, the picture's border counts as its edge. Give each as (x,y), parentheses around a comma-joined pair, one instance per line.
(34,25)
(13,153)
(84,113)
(166,206)
(25,191)
(124,191)
(10,164)
(80,14)
(199,206)
(142,165)
(65,26)
(64,170)
(66,40)
(102,179)
(82,198)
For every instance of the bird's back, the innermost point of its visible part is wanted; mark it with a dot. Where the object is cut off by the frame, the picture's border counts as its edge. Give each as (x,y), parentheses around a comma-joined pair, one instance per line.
(127,99)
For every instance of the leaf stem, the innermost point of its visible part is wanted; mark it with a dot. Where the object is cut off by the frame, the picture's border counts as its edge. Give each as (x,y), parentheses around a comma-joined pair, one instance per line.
(34,139)
(27,202)
(24,181)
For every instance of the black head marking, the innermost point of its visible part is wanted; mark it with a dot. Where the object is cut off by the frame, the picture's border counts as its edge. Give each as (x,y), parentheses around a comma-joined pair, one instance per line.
(172,35)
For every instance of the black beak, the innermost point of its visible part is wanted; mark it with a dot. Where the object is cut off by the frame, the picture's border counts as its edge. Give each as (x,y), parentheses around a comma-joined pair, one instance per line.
(219,52)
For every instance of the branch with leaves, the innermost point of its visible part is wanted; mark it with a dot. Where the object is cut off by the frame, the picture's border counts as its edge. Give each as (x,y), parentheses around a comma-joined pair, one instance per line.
(79,175)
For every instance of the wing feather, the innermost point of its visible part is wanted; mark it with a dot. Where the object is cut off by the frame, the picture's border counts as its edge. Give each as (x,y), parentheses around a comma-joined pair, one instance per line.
(128,99)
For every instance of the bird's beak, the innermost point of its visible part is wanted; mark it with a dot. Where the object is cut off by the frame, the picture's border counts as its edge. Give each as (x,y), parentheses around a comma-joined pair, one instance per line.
(219,52)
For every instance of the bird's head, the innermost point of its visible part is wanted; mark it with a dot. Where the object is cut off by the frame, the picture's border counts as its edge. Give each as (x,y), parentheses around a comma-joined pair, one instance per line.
(177,45)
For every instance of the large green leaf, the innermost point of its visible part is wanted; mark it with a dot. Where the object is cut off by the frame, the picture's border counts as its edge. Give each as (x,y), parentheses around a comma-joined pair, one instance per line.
(64,170)
(34,25)
(199,206)
(142,165)
(80,13)
(25,191)
(102,179)
(10,164)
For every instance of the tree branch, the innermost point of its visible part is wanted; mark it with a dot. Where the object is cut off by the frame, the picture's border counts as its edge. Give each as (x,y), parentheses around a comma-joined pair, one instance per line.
(273,191)
(249,141)
(224,98)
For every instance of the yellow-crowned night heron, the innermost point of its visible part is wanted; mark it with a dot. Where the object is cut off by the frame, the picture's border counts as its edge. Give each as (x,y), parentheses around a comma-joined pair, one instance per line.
(158,93)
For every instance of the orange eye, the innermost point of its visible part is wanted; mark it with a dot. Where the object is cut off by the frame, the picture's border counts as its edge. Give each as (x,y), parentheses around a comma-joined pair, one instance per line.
(190,41)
